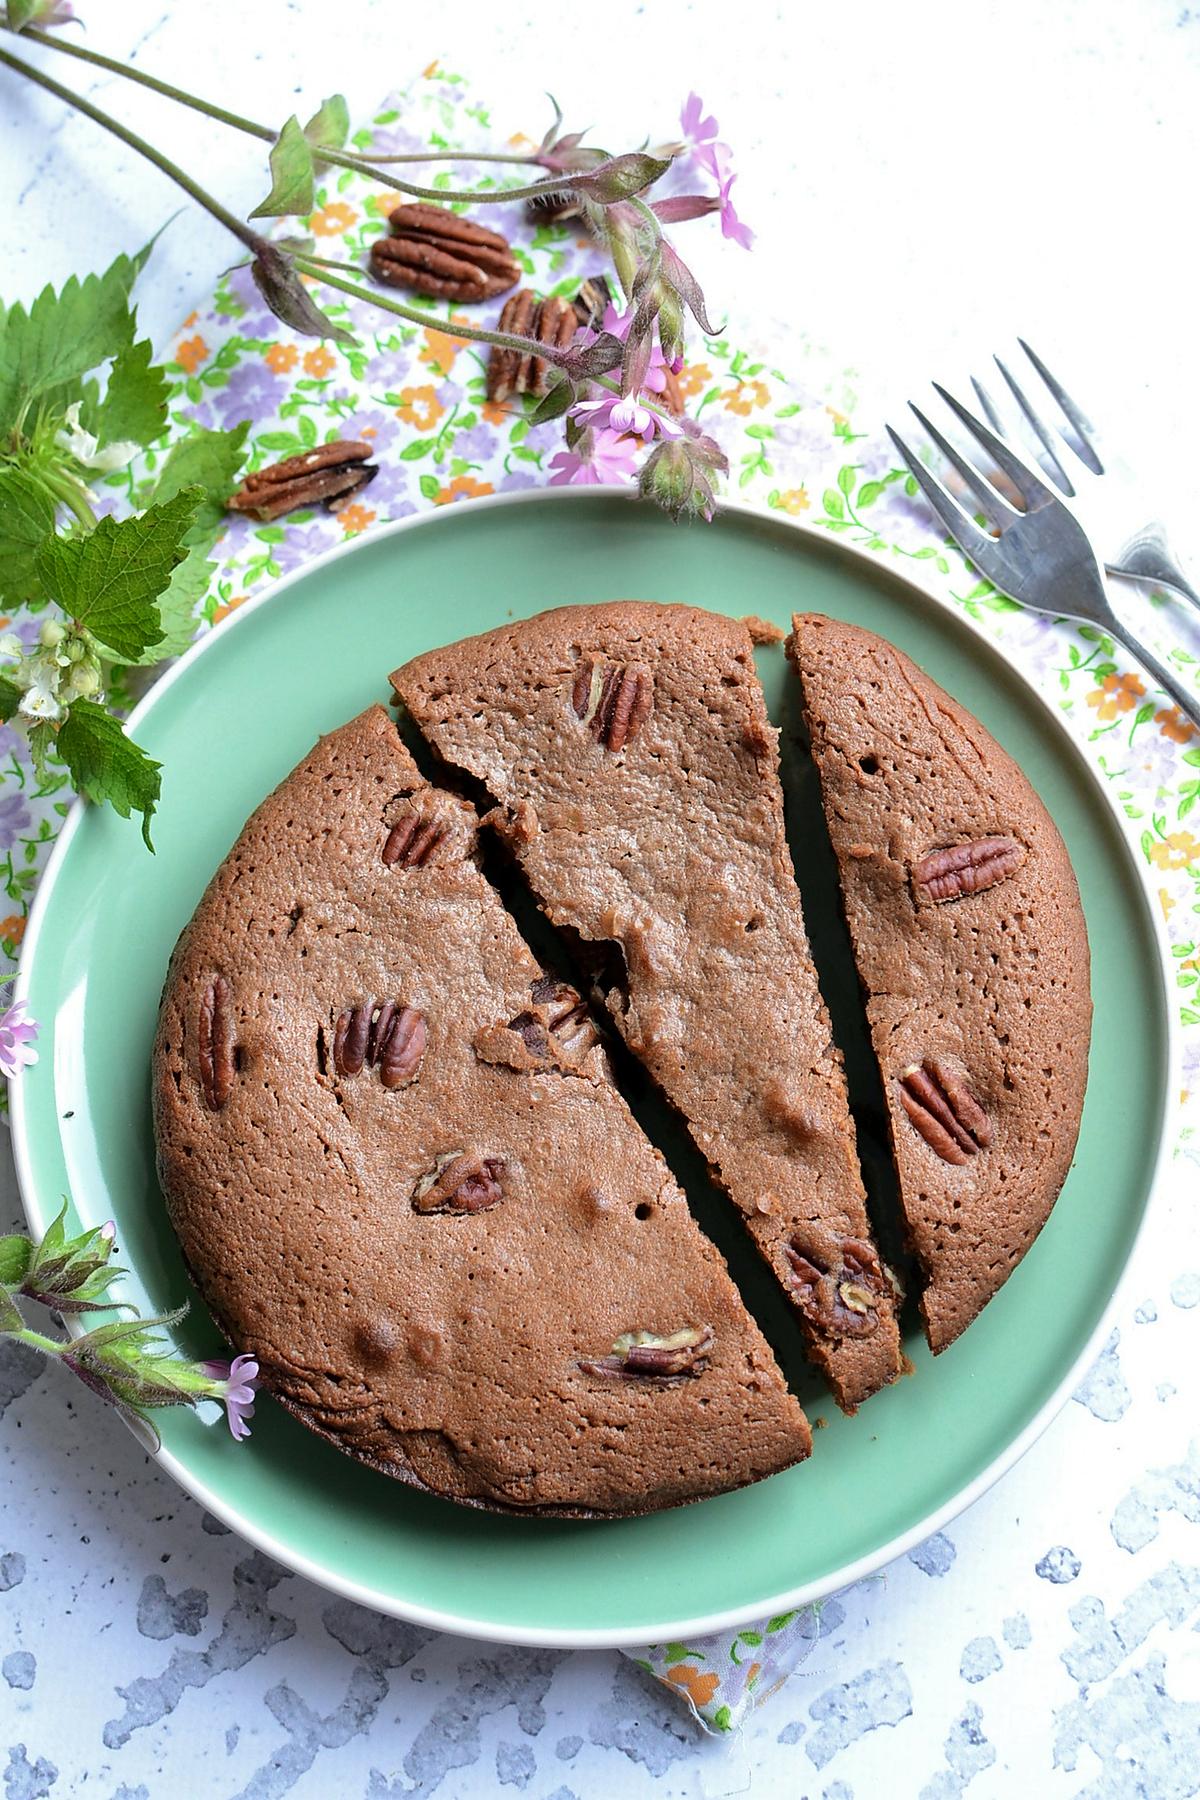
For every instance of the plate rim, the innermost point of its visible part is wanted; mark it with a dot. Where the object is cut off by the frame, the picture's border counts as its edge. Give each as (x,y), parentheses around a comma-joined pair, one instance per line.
(806,1593)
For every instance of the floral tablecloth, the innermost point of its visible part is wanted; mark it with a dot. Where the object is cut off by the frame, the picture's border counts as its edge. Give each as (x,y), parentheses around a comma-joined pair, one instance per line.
(799,442)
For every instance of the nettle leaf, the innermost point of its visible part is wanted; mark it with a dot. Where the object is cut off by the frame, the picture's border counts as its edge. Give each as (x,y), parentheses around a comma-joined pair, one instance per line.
(134,407)
(16,1254)
(289,299)
(61,337)
(291,174)
(211,461)
(26,520)
(177,607)
(110,578)
(10,698)
(329,127)
(105,765)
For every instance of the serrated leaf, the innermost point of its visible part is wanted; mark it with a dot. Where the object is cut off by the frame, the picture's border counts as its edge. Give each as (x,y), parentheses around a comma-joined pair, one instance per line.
(291,175)
(134,407)
(26,520)
(106,765)
(177,605)
(10,698)
(328,127)
(288,298)
(110,578)
(210,460)
(61,337)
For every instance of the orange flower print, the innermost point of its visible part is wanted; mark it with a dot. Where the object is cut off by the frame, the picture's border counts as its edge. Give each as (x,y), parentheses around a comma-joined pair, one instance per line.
(319,362)
(463,487)
(1167,901)
(698,1688)
(281,357)
(190,354)
(12,929)
(1172,724)
(223,612)
(332,220)
(382,205)
(693,378)
(419,406)
(440,349)
(1116,694)
(430,70)
(494,413)
(745,397)
(355,518)
(1178,850)
(190,321)
(793,500)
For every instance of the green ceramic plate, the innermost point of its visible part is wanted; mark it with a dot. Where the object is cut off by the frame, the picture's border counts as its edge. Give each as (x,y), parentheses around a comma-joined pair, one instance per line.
(232,718)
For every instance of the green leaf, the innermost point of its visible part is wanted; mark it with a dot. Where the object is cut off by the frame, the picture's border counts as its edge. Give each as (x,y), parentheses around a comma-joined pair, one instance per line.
(62,336)
(210,460)
(430,486)
(110,578)
(846,477)
(105,765)
(780,1620)
(291,175)
(831,500)
(177,605)
(869,492)
(10,697)
(329,126)
(1192,757)
(10,1318)
(16,1253)
(418,448)
(553,403)
(723,1719)
(753,1638)
(26,518)
(134,407)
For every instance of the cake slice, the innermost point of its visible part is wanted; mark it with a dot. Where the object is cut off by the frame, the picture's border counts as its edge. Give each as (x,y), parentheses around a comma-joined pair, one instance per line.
(972,952)
(404,1181)
(635,778)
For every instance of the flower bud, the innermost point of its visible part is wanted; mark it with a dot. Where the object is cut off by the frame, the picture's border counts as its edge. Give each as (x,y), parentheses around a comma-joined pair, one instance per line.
(82,682)
(668,477)
(51,634)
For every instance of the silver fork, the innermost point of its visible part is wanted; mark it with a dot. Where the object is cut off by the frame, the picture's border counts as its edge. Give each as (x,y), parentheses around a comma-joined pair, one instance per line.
(1106,495)
(1042,556)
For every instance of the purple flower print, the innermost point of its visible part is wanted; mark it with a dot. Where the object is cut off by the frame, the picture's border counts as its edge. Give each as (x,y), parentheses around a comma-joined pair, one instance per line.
(475,444)
(18,1034)
(379,428)
(252,392)
(14,818)
(303,542)
(515,480)
(13,743)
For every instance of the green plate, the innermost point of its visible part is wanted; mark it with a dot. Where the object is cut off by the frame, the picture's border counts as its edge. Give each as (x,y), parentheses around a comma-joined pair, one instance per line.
(228,722)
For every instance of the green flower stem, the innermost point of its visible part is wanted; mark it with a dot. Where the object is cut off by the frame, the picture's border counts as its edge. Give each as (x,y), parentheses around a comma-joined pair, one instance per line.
(70,492)
(344,158)
(36,1340)
(507,340)
(99,117)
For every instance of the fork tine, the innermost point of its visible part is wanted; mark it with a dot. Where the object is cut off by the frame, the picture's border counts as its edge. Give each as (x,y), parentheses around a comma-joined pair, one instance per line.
(1077,417)
(990,411)
(959,523)
(993,503)
(1046,437)
(1028,484)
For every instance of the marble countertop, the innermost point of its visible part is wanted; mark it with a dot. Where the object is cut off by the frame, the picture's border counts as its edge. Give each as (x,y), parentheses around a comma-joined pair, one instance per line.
(1046,1644)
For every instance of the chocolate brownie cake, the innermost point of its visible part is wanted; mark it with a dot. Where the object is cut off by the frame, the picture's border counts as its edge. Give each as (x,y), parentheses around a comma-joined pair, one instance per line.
(635,779)
(404,1181)
(972,952)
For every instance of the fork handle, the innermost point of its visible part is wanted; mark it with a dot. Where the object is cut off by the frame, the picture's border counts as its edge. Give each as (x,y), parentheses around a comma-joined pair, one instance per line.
(1187,702)
(1149,557)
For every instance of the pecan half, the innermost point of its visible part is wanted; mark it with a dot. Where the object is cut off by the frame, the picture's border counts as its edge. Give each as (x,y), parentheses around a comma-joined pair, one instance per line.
(431,250)
(389,1036)
(331,472)
(839,1300)
(460,1181)
(556,1031)
(412,840)
(966,868)
(944,1110)
(614,702)
(642,1353)
(216,1044)
(551,322)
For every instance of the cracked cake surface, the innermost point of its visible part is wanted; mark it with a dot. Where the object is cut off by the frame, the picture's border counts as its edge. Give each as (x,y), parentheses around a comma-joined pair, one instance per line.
(403,1179)
(634,774)
(972,951)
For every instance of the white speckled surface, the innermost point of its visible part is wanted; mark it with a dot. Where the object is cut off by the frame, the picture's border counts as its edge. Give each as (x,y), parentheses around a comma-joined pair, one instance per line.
(1047,1644)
